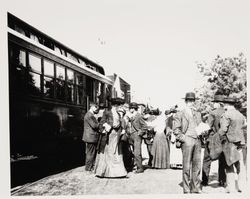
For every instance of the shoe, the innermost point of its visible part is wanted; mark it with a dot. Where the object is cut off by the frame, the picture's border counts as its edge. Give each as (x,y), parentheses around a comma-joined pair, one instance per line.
(204,183)
(222,184)
(139,171)
(197,192)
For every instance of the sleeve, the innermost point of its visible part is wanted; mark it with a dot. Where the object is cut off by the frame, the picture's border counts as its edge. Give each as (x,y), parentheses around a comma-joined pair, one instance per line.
(224,124)
(92,121)
(144,126)
(177,126)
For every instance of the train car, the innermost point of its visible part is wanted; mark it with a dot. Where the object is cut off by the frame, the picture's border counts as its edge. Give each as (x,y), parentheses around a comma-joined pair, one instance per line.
(50,87)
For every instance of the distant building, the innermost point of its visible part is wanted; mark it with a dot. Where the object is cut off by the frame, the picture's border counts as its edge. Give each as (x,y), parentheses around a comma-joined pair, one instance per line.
(120,88)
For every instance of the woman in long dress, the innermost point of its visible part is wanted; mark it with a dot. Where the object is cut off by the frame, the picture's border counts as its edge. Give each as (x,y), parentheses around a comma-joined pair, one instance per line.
(109,160)
(160,148)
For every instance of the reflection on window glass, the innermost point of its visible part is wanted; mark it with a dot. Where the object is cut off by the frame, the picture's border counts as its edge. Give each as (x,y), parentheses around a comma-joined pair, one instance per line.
(18,56)
(57,49)
(20,30)
(79,95)
(34,83)
(60,72)
(22,58)
(70,76)
(48,87)
(35,63)
(70,93)
(82,62)
(48,68)
(60,90)
(80,79)
(72,57)
(34,37)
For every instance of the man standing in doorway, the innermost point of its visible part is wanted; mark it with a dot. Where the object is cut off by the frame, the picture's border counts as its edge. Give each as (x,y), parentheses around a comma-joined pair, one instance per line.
(90,136)
(185,123)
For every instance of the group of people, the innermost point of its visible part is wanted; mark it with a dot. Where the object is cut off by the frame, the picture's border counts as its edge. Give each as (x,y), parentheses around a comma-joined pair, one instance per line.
(114,135)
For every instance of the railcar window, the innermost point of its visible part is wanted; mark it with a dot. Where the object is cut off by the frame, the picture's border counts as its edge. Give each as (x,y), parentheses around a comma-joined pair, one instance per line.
(35,63)
(60,72)
(48,68)
(20,30)
(48,87)
(34,37)
(72,57)
(18,56)
(80,86)
(82,62)
(60,82)
(34,83)
(70,90)
(70,76)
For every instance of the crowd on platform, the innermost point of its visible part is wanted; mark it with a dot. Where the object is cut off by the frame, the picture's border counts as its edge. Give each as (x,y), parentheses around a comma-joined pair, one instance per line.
(114,135)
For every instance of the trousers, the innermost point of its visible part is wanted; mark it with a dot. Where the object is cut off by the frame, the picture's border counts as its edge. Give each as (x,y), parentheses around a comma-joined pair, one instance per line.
(207,165)
(137,141)
(191,161)
(90,153)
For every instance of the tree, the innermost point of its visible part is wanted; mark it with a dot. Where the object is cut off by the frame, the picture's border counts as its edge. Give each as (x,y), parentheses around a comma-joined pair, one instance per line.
(226,76)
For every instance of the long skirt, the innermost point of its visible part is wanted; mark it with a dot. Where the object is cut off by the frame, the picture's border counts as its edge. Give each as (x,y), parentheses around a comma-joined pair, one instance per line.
(110,163)
(160,152)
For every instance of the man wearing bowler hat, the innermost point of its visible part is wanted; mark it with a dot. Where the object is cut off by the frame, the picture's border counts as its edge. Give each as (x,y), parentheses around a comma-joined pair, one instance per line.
(214,122)
(232,138)
(184,127)
(138,128)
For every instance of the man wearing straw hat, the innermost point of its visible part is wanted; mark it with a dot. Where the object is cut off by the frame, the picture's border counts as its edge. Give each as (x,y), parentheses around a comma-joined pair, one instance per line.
(185,123)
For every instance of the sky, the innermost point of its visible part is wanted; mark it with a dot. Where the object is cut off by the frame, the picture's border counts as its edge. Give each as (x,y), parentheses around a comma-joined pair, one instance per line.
(153,45)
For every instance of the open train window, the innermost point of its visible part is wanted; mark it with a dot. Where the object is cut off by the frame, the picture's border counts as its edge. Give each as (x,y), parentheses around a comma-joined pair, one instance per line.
(70,85)
(80,88)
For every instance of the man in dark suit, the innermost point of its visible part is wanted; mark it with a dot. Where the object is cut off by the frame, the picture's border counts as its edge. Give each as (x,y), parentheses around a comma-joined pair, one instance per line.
(214,122)
(185,123)
(232,137)
(138,128)
(90,136)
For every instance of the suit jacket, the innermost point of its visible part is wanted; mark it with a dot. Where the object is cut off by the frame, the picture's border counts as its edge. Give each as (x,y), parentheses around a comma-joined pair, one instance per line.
(139,125)
(214,119)
(90,133)
(181,123)
(232,122)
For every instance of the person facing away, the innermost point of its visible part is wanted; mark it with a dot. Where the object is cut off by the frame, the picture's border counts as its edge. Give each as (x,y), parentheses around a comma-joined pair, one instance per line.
(109,160)
(138,129)
(213,120)
(232,138)
(160,148)
(90,136)
(185,123)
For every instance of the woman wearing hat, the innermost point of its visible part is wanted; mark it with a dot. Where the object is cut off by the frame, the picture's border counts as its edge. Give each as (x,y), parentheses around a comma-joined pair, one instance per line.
(109,161)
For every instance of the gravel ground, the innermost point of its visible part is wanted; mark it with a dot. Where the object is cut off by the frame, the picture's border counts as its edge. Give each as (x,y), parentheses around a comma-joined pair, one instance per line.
(78,182)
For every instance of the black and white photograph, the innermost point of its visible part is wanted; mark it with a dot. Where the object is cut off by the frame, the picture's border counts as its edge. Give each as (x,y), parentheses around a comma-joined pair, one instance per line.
(124,98)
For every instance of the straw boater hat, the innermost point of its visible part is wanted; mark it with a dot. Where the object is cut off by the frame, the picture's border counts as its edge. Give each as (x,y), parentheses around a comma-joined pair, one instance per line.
(190,96)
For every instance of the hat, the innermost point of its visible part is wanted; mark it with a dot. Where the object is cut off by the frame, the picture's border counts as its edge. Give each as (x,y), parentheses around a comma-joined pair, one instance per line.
(218,98)
(190,96)
(116,101)
(230,100)
(167,112)
(122,110)
(133,105)
(102,105)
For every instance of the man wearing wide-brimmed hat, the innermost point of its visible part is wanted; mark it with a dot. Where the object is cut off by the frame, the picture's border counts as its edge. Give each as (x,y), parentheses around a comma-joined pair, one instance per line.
(185,123)
(232,138)
(211,149)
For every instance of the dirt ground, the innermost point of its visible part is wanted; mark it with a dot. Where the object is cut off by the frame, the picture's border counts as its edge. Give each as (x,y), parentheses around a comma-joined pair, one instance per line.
(78,182)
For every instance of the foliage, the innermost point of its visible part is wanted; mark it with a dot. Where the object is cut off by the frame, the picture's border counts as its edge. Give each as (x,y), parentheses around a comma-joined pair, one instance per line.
(226,76)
